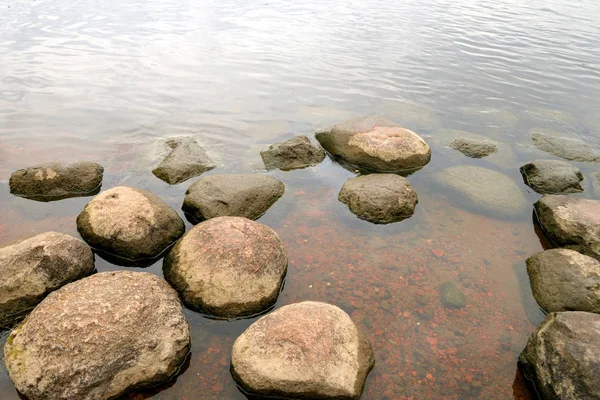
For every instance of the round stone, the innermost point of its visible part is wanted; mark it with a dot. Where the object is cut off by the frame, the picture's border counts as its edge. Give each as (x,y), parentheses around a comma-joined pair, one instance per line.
(99,338)
(301,351)
(227,267)
(129,223)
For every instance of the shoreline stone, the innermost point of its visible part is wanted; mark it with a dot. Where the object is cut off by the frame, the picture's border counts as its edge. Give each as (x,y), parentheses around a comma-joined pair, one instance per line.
(186,160)
(552,177)
(474,148)
(568,148)
(294,153)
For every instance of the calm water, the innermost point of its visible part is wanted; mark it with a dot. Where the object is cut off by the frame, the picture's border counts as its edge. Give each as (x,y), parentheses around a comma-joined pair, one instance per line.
(107,81)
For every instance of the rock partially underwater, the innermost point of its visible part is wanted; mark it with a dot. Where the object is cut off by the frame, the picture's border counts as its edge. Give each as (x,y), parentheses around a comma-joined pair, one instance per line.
(186,160)
(552,177)
(294,153)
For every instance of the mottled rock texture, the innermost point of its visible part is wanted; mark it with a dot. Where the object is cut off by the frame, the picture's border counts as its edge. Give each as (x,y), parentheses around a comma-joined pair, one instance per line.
(34,267)
(238,195)
(376,144)
(571,222)
(98,338)
(474,148)
(227,267)
(563,356)
(451,295)
(379,198)
(56,181)
(558,144)
(129,223)
(306,350)
(552,177)
(186,160)
(294,153)
(565,280)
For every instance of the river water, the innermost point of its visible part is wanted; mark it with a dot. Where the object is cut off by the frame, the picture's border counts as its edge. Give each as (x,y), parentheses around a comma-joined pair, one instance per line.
(108,81)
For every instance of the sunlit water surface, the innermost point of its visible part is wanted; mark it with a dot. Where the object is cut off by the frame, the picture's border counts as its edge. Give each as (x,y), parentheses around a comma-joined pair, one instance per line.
(108,81)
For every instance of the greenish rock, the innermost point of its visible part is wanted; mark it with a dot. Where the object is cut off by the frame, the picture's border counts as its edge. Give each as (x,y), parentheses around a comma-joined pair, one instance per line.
(294,153)
(451,295)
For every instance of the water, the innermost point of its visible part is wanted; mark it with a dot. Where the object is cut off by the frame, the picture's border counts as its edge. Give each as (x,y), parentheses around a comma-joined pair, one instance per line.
(106,81)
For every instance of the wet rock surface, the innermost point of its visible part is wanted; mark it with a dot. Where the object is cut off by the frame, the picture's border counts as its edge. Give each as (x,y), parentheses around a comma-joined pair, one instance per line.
(571,222)
(294,153)
(376,144)
(565,280)
(451,295)
(186,160)
(552,177)
(485,189)
(569,148)
(227,267)
(562,356)
(98,338)
(238,195)
(474,148)
(303,350)
(34,267)
(129,223)
(57,181)
(379,198)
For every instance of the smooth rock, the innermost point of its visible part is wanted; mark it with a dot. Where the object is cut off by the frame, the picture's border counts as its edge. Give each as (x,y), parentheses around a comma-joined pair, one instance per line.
(99,338)
(565,280)
(474,148)
(451,295)
(57,181)
(237,195)
(484,189)
(376,144)
(186,160)
(294,153)
(34,267)
(227,267)
(558,144)
(306,350)
(571,222)
(379,198)
(552,177)
(592,122)
(562,356)
(550,117)
(129,223)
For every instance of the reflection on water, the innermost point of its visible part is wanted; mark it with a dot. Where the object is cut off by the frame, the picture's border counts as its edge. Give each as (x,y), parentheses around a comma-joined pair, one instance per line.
(105,82)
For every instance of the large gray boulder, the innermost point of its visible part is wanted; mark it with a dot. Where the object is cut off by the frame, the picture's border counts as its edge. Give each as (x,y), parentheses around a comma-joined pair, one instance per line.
(306,350)
(562,356)
(379,198)
(552,177)
(34,267)
(227,267)
(562,146)
(376,144)
(484,189)
(571,222)
(186,160)
(294,153)
(99,338)
(565,280)
(129,223)
(237,195)
(57,181)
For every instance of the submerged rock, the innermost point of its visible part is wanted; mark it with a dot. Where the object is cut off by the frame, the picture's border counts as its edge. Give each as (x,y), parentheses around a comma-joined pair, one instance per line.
(294,153)
(486,190)
(227,267)
(57,181)
(99,338)
(562,356)
(306,350)
(552,177)
(379,198)
(186,160)
(451,295)
(34,267)
(550,117)
(571,222)
(492,117)
(569,148)
(565,280)
(474,148)
(129,223)
(236,195)
(376,144)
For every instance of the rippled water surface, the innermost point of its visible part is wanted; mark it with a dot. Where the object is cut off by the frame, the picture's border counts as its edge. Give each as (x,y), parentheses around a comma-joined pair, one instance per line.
(108,81)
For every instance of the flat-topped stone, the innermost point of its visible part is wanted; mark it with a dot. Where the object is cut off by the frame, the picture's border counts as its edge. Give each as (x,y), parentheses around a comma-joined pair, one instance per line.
(560,145)
(474,148)
(294,153)
(552,177)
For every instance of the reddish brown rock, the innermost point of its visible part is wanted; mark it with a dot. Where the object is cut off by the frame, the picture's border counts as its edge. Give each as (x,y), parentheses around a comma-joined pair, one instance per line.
(307,350)
(227,267)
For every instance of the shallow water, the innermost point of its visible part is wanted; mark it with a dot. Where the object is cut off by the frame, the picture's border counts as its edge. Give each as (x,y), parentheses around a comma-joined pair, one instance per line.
(106,81)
